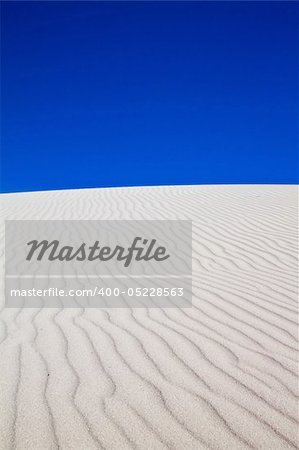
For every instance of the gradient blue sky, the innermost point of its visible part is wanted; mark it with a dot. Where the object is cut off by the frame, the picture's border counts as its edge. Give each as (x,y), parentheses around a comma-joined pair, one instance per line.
(148,93)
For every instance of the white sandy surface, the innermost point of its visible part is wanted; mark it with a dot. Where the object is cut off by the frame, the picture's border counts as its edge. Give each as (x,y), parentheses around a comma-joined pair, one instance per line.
(222,375)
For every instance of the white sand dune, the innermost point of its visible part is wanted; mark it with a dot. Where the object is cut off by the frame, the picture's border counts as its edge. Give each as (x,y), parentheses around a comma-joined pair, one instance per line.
(221,375)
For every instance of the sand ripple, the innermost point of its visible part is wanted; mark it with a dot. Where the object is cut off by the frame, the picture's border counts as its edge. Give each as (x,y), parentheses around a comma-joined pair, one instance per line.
(222,375)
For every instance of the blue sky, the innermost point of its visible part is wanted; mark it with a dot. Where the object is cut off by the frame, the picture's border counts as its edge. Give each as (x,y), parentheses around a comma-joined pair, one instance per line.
(98,94)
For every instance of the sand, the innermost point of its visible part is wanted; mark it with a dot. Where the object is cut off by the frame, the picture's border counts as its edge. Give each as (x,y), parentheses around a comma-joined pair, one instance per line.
(221,375)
